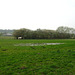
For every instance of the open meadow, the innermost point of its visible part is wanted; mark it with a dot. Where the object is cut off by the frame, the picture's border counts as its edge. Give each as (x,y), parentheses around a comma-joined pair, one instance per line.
(37,60)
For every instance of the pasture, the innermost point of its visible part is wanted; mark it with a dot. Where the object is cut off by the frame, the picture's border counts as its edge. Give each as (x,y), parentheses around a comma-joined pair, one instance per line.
(37,60)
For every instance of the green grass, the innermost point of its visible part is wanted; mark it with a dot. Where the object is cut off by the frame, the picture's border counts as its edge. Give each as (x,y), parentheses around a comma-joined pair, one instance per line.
(37,60)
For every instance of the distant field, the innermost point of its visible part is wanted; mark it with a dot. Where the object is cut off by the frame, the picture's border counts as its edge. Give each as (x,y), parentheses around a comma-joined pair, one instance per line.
(7,37)
(37,60)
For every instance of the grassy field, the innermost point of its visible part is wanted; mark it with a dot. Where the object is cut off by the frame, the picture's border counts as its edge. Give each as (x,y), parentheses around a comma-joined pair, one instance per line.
(37,60)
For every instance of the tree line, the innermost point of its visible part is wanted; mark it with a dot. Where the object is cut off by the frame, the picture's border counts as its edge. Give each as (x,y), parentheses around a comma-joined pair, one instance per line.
(60,33)
(3,31)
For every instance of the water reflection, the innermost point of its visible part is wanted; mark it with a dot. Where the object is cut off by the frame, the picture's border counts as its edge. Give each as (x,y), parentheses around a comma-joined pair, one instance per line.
(37,44)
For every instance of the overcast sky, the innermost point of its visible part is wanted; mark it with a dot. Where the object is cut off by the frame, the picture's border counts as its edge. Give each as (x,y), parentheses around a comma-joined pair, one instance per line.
(34,14)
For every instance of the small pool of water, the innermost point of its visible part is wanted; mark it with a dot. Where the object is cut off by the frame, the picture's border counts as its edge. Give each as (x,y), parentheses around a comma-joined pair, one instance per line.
(37,44)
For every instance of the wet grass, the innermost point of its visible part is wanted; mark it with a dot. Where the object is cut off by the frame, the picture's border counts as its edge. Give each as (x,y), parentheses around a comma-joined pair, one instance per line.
(37,60)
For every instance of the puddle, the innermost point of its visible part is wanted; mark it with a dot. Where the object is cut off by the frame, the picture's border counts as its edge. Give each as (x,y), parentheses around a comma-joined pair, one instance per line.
(37,44)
